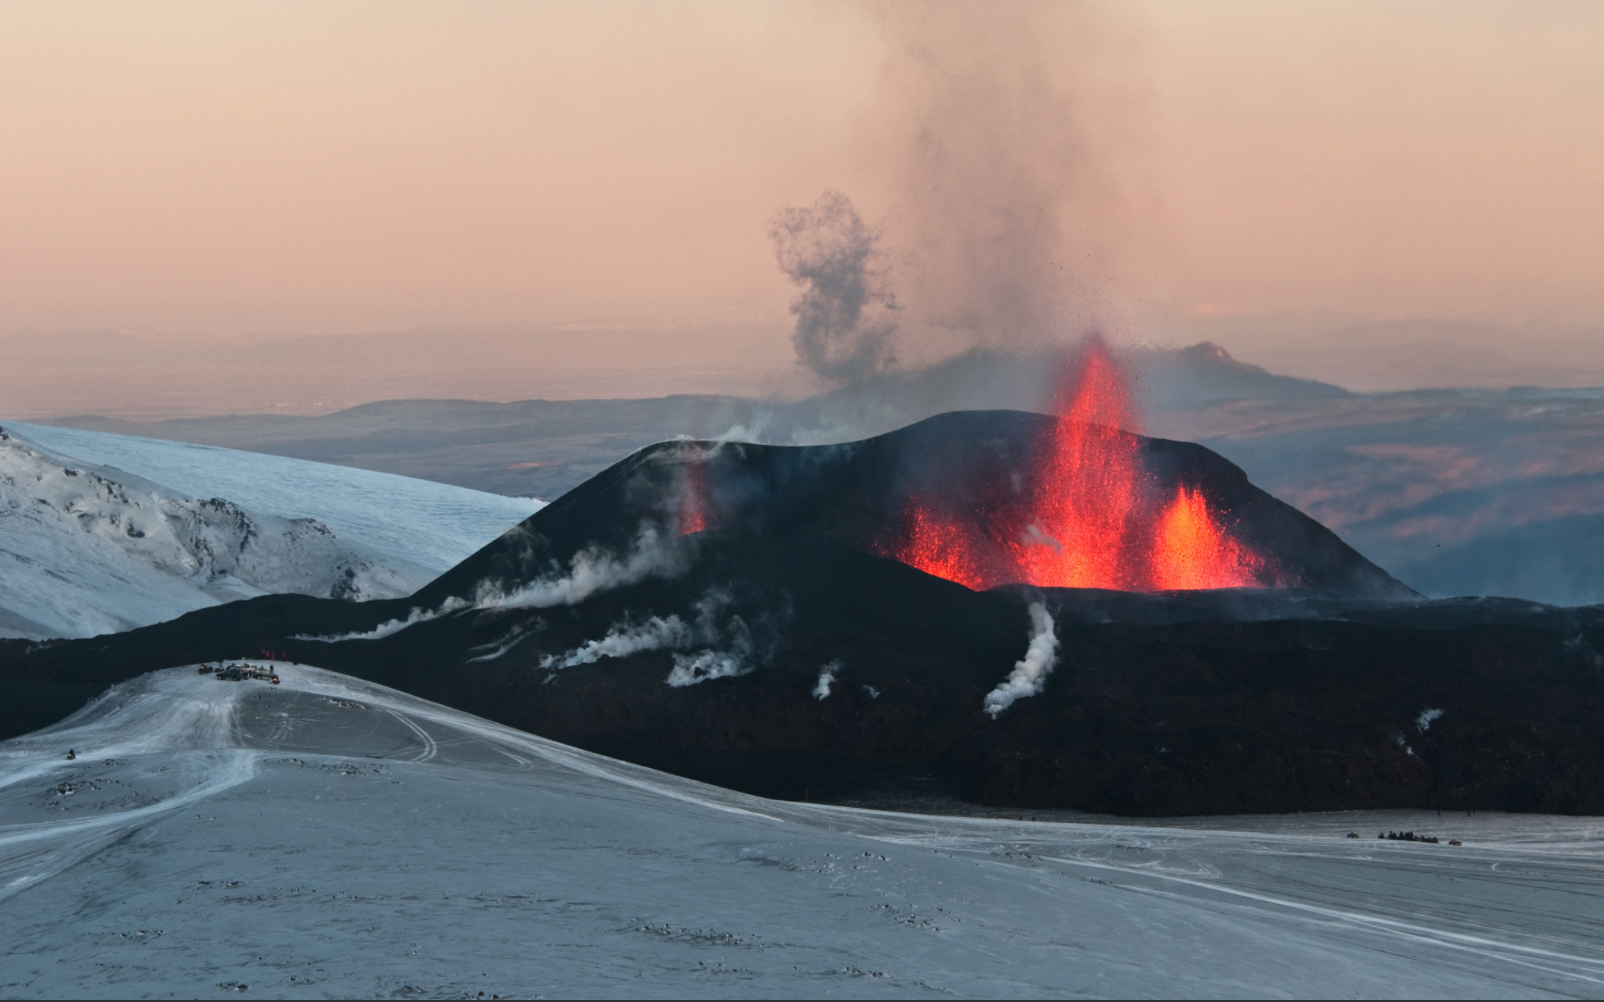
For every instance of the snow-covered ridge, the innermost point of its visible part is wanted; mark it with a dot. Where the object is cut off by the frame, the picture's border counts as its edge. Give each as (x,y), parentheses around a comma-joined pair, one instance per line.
(88,549)
(431,524)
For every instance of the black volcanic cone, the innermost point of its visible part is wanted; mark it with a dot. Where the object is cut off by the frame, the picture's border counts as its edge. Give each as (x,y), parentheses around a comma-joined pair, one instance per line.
(857,494)
(711,662)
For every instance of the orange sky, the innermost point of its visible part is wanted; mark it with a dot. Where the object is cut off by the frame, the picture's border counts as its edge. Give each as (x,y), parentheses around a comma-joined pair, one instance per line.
(312,168)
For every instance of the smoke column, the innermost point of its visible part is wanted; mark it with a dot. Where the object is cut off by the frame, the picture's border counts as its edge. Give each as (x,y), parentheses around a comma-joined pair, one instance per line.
(1008,144)
(845,318)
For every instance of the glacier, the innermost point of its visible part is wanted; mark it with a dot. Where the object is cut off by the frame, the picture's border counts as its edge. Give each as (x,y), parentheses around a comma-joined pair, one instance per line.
(432,524)
(89,548)
(329,837)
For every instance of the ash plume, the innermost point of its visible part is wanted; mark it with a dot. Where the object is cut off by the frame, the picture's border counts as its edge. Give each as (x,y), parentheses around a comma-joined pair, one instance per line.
(845,316)
(1029,676)
(1010,131)
(1009,138)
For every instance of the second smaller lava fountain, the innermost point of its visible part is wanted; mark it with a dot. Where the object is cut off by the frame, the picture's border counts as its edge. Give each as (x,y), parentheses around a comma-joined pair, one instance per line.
(1087,514)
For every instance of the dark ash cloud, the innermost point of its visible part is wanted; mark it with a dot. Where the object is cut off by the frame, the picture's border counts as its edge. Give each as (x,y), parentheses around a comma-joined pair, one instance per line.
(846,315)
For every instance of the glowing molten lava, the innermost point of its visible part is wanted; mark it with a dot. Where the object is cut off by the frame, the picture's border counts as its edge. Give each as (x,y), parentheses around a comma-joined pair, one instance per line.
(1087,516)
(693,499)
(1192,550)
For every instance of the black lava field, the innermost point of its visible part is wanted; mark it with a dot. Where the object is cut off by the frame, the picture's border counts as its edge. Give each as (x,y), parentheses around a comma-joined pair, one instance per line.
(1312,697)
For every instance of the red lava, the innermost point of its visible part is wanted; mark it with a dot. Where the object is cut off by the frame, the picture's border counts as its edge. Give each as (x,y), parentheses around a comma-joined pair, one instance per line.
(1088,515)
(693,499)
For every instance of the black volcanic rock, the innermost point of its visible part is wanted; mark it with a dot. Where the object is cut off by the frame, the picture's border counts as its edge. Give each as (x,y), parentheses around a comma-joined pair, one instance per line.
(1183,703)
(856,493)
(1202,715)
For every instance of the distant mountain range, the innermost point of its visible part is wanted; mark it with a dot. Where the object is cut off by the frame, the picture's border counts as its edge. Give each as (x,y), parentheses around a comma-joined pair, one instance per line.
(542,448)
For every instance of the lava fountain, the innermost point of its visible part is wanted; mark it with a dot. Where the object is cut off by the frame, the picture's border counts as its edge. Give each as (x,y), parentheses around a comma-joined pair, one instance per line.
(693,496)
(1086,514)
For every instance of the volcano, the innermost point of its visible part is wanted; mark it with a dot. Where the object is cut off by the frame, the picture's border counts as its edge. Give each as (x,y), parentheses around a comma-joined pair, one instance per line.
(982,498)
(759,617)
(967,476)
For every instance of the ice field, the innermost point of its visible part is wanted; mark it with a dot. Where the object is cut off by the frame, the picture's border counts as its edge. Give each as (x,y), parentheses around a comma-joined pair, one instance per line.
(432,524)
(330,837)
(96,538)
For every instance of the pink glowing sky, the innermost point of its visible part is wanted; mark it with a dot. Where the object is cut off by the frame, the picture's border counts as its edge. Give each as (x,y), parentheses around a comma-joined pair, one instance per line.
(1264,172)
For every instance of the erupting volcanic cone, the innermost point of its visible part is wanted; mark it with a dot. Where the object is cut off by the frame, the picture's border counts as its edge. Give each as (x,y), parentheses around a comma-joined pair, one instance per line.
(1088,513)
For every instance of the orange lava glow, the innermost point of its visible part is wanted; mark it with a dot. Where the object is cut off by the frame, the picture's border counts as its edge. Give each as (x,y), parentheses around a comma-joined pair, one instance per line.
(1087,517)
(693,500)
(1192,550)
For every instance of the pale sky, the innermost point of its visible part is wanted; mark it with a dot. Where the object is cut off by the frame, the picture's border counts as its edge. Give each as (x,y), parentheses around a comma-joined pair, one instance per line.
(307,167)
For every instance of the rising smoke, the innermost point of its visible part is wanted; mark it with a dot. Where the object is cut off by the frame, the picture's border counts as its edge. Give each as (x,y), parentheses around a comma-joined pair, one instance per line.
(624,639)
(517,635)
(728,647)
(845,316)
(1008,156)
(394,626)
(827,676)
(1029,676)
(595,570)
(690,669)
(1008,127)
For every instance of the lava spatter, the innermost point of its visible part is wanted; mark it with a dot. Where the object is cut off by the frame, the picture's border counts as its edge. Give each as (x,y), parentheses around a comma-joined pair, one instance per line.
(693,498)
(1086,515)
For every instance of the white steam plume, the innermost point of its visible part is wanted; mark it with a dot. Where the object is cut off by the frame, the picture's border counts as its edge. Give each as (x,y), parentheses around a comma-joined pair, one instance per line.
(689,669)
(625,639)
(845,316)
(728,649)
(595,570)
(827,676)
(1029,676)
(393,626)
(516,636)
(735,659)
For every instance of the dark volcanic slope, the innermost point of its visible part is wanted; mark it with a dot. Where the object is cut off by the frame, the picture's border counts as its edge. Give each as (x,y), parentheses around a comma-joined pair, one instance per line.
(1203,716)
(1191,703)
(856,493)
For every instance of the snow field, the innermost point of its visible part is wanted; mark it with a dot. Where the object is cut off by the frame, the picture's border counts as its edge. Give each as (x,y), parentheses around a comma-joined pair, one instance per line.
(431,524)
(89,549)
(333,837)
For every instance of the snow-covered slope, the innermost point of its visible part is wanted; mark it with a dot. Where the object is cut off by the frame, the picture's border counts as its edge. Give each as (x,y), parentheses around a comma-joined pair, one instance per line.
(90,549)
(333,838)
(82,553)
(430,524)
